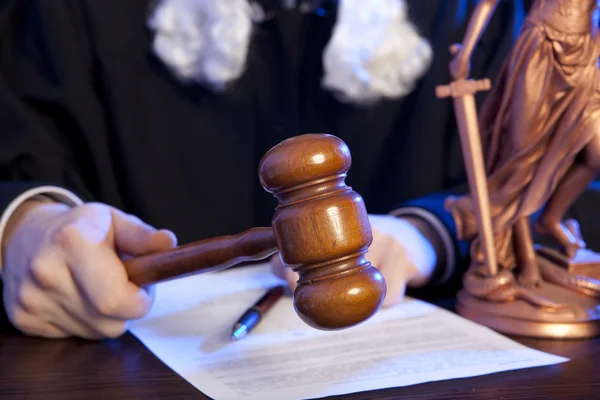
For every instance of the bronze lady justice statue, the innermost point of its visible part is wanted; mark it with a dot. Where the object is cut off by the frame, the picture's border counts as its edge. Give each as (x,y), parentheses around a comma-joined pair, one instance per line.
(540,142)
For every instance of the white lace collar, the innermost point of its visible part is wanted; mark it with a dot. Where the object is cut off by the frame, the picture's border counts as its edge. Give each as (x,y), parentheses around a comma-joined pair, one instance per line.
(374,52)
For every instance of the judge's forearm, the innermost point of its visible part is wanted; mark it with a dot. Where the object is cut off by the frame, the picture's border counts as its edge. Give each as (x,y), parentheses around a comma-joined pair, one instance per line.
(477,24)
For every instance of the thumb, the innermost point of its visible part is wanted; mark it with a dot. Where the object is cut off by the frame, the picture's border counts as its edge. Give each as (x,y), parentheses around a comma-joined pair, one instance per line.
(135,237)
(395,279)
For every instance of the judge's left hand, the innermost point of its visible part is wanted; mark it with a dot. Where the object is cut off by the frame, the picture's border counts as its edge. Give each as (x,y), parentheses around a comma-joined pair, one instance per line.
(399,250)
(460,66)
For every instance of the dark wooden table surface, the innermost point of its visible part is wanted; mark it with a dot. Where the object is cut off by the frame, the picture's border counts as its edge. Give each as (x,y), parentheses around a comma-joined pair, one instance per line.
(123,369)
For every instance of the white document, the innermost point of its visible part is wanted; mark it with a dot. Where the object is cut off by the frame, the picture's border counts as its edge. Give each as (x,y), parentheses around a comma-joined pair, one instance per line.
(190,325)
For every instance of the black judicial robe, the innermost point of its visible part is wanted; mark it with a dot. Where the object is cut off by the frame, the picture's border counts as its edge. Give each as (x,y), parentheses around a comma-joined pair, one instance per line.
(85,105)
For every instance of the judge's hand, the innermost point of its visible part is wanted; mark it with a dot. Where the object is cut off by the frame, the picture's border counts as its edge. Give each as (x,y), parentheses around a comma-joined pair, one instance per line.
(460,66)
(62,272)
(400,252)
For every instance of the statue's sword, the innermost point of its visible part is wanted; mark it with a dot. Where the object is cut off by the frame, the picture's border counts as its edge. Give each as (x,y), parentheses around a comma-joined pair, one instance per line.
(463,93)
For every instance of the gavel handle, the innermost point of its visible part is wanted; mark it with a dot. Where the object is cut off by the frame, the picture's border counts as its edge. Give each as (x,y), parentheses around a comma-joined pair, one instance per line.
(208,255)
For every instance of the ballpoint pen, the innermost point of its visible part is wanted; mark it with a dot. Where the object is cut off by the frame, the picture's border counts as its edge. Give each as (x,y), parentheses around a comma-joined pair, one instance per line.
(252,316)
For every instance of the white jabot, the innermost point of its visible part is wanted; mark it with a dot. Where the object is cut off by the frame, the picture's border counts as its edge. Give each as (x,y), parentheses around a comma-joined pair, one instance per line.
(203,41)
(375,52)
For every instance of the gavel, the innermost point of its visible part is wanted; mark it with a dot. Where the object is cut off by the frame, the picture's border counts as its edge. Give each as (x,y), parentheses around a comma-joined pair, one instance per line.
(320,229)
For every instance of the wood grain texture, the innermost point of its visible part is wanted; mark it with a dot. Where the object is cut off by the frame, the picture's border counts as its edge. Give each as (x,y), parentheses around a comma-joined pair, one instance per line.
(210,255)
(34,369)
(320,228)
(323,231)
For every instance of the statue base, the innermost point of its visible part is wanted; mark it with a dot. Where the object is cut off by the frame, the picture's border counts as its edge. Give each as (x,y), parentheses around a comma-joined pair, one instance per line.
(563,306)
(585,263)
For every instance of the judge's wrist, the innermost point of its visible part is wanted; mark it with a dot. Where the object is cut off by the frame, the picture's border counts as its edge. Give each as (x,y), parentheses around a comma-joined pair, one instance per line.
(42,202)
(37,209)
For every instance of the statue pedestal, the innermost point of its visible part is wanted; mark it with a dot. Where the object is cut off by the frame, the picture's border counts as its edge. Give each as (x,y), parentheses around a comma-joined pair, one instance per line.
(585,263)
(565,305)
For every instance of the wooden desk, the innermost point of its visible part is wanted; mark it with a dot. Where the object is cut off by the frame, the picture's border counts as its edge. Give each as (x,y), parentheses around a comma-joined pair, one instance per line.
(124,369)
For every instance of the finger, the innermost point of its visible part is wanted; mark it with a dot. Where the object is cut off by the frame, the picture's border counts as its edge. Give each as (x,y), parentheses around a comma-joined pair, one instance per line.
(283,272)
(21,304)
(66,309)
(83,320)
(62,319)
(106,286)
(100,275)
(99,328)
(395,282)
(135,237)
(37,303)
(151,292)
(394,266)
(277,266)
(76,316)
(46,312)
(573,226)
(455,48)
(33,325)
(31,298)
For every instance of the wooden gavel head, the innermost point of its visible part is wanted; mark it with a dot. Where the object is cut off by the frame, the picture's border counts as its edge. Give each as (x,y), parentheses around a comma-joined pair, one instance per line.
(322,231)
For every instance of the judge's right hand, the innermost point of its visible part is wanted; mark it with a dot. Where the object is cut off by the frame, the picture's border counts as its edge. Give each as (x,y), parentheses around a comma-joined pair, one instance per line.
(63,274)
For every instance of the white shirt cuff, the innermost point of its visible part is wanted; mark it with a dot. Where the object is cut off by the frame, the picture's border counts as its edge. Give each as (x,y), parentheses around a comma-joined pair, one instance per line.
(445,236)
(55,193)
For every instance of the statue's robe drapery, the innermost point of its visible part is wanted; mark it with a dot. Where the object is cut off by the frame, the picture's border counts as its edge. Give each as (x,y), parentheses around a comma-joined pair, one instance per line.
(541,112)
